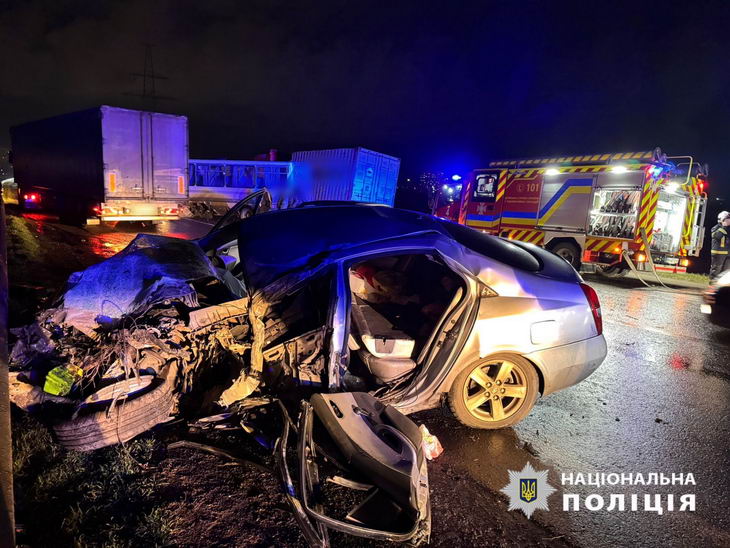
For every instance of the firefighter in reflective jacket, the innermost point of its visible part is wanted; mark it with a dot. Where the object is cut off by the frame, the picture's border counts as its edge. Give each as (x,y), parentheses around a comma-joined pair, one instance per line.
(720,245)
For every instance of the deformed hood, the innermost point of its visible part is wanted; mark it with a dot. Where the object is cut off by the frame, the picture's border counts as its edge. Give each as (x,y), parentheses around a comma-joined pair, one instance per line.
(150,269)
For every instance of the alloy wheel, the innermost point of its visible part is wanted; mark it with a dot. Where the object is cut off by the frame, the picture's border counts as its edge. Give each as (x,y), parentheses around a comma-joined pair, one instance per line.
(494,391)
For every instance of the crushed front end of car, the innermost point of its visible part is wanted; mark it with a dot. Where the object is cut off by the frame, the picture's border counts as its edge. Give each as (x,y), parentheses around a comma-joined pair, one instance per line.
(128,337)
(158,332)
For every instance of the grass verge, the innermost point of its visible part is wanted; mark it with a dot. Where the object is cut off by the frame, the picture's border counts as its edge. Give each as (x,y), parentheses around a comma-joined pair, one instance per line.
(104,498)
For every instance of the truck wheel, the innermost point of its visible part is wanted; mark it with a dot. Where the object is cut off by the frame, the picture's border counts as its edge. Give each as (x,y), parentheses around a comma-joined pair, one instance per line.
(495,392)
(613,271)
(568,251)
(124,420)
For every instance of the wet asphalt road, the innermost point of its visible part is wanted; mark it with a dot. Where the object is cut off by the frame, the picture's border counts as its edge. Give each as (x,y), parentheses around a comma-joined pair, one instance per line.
(659,403)
(105,240)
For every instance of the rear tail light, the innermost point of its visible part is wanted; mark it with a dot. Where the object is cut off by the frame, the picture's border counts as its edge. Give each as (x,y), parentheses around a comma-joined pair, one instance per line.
(595,306)
(33,197)
(168,211)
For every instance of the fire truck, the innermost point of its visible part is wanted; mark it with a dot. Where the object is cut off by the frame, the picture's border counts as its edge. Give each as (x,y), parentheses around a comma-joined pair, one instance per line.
(604,210)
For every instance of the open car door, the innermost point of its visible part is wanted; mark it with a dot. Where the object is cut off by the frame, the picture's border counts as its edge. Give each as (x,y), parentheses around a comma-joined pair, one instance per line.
(224,231)
(353,446)
(256,202)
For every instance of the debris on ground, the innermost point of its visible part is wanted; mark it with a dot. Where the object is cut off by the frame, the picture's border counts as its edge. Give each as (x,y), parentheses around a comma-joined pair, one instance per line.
(431,444)
(206,448)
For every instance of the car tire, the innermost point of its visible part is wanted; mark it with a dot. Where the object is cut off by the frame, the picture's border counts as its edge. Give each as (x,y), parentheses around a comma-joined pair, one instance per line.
(523,374)
(567,251)
(123,421)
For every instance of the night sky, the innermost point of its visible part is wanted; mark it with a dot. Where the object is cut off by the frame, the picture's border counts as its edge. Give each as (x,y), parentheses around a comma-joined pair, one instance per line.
(444,86)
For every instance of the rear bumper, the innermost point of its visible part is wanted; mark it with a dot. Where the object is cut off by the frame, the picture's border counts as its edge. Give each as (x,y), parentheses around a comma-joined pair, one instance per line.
(139,217)
(131,210)
(564,366)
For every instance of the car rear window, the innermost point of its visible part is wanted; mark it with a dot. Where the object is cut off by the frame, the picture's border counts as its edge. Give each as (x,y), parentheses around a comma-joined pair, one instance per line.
(491,246)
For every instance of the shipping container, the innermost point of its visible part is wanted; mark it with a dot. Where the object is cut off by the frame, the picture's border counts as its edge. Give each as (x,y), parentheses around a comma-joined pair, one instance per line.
(351,174)
(105,163)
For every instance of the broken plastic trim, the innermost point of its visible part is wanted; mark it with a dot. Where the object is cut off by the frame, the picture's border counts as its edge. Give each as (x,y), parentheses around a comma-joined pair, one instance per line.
(306,447)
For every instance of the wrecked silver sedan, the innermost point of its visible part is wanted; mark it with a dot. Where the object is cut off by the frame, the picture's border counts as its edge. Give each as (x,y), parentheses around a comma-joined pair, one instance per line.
(354,314)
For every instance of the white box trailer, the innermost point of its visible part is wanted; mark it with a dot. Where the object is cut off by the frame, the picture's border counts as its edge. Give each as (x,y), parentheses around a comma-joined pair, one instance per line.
(105,163)
(349,174)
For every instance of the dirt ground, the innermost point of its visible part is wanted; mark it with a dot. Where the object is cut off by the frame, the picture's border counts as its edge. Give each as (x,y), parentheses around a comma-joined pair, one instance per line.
(219,505)
(147,494)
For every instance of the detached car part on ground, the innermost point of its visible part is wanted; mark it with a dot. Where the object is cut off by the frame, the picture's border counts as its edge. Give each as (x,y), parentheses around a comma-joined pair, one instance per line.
(381,447)
(333,298)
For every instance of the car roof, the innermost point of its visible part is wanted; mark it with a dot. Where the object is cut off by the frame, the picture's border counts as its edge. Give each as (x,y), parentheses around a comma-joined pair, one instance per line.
(276,242)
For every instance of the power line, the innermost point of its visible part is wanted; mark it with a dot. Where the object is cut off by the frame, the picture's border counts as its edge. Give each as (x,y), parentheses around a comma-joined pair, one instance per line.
(149,89)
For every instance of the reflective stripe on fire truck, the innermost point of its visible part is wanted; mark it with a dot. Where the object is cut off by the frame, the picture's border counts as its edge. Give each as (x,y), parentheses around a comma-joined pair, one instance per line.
(501,185)
(647,210)
(569,188)
(465,198)
(528,236)
(571,169)
(527,218)
(574,159)
(482,221)
(604,245)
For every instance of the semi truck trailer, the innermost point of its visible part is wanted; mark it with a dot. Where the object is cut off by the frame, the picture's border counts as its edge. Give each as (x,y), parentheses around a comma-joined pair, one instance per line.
(103,164)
